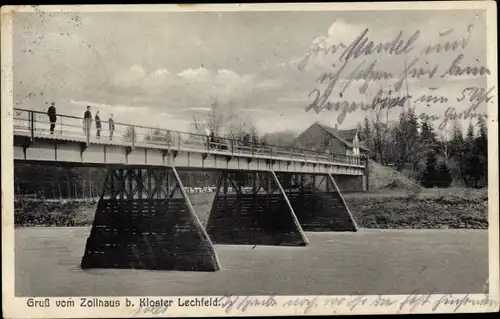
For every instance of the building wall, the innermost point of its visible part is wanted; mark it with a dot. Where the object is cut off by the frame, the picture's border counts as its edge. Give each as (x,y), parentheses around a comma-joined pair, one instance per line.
(311,138)
(317,138)
(337,147)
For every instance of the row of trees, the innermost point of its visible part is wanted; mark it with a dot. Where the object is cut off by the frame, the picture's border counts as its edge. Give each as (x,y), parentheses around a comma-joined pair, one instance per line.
(45,181)
(412,144)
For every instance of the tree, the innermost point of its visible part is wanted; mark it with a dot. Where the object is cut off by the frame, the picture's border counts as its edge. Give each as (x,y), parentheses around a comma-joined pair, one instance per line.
(444,175)
(481,149)
(212,122)
(443,147)
(430,176)
(377,133)
(225,123)
(406,140)
(457,143)
(366,133)
(427,137)
(254,136)
(472,172)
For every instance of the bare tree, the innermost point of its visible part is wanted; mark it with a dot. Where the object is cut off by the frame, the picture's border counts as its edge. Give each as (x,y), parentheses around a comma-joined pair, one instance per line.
(212,122)
(224,123)
(376,132)
(443,146)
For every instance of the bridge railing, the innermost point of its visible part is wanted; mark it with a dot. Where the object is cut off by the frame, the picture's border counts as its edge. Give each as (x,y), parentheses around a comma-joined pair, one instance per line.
(37,124)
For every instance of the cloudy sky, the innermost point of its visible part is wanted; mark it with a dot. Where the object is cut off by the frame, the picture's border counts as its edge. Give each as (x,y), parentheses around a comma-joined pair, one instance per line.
(164,68)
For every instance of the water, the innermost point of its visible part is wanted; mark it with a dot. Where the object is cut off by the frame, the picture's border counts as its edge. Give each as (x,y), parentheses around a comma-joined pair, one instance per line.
(367,262)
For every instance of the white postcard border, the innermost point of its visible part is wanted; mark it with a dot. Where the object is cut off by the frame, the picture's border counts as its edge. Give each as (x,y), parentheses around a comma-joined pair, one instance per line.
(18,307)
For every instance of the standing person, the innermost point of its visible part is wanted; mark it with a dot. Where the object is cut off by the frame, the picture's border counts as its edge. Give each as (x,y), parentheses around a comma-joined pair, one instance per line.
(111,123)
(246,140)
(87,121)
(51,112)
(98,125)
(212,139)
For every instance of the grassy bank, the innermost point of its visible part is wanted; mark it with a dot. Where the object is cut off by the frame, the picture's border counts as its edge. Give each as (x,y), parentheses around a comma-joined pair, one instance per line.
(388,209)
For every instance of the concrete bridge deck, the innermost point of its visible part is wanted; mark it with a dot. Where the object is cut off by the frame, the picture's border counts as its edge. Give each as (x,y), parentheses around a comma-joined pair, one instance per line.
(149,146)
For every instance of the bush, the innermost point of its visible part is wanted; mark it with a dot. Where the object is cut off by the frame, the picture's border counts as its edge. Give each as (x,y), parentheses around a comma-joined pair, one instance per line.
(444,176)
(429,176)
(435,175)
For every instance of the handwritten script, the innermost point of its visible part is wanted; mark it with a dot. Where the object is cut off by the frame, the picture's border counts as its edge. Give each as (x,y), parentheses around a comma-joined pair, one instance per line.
(308,305)
(363,62)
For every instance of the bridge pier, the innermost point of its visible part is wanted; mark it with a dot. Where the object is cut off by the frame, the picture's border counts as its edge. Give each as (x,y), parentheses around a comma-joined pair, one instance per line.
(144,220)
(252,209)
(317,202)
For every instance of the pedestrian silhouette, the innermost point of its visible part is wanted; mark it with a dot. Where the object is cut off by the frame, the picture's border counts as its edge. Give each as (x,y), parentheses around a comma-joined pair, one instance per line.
(98,124)
(111,123)
(87,121)
(51,112)
(212,139)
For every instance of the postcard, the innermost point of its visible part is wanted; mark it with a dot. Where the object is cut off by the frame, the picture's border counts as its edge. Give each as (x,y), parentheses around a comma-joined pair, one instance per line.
(249,159)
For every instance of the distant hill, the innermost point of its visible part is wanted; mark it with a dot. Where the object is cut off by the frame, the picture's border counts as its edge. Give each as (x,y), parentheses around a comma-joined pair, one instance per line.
(283,138)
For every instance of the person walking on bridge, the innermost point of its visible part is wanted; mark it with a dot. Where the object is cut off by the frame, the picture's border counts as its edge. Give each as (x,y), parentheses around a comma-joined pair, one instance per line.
(111,123)
(87,121)
(98,125)
(51,112)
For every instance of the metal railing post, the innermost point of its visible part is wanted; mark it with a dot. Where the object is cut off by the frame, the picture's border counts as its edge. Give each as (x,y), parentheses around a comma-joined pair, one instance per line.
(31,118)
(61,130)
(133,136)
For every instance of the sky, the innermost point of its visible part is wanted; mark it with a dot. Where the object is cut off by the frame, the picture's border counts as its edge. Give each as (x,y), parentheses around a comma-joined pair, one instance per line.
(164,68)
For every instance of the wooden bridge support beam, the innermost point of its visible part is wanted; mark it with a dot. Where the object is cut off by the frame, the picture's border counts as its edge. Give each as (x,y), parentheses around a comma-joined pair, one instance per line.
(318,203)
(144,221)
(255,212)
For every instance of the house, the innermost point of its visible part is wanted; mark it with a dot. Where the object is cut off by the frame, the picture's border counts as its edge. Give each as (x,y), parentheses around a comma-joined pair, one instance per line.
(323,138)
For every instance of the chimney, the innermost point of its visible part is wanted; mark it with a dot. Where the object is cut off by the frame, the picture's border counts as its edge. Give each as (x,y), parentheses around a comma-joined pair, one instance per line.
(336,127)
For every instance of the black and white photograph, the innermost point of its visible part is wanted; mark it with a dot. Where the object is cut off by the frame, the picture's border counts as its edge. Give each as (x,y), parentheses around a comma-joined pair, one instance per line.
(244,151)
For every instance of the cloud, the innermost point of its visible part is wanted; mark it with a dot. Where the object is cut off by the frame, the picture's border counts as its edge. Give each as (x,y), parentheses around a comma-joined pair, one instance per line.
(160,73)
(190,88)
(198,109)
(228,75)
(133,76)
(199,73)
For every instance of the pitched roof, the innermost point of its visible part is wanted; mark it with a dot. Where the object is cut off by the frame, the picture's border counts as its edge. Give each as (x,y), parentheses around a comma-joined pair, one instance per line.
(349,134)
(335,133)
(345,136)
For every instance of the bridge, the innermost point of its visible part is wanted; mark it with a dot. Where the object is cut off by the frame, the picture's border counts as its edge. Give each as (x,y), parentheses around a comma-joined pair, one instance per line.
(144,217)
